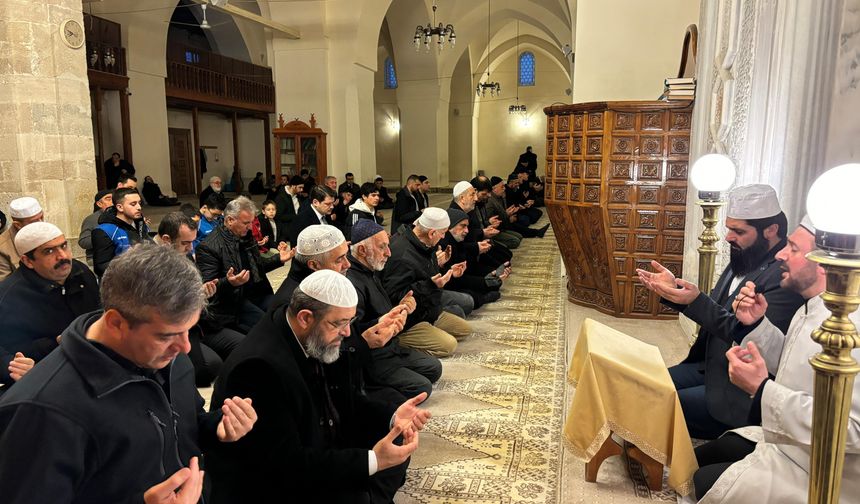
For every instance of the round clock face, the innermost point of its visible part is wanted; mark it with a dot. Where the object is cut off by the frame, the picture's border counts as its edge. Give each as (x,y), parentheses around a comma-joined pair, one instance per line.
(72,33)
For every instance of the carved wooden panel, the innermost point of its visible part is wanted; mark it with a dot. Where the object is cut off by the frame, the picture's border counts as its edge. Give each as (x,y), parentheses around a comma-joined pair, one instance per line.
(619,218)
(623,145)
(595,121)
(550,124)
(622,170)
(595,146)
(625,121)
(563,124)
(677,170)
(617,198)
(646,219)
(648,195)
(619,194)
(651,145)
(549,146)
(650,170)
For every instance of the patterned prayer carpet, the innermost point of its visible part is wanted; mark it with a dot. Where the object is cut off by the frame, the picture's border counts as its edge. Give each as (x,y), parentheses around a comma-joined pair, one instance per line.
(498,409)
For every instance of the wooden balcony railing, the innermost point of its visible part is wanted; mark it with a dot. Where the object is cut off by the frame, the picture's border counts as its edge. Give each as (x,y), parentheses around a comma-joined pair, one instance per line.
(191,82)
(105,57)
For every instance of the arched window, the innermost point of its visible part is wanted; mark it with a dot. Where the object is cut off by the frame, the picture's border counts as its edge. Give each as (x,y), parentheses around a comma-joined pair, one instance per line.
(527,69)
(390,76)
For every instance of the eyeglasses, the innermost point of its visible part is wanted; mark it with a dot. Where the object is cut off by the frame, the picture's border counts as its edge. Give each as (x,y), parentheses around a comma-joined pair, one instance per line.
(341,324)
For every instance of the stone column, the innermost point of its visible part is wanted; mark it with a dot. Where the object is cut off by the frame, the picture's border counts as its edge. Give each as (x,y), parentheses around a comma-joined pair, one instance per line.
(46,137)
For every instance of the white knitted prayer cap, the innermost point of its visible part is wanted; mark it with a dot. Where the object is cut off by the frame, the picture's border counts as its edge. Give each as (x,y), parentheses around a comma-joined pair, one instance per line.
(461,187)
(34,235)
(434,218)
(331,288)
(754,201)
(24,208)
(317,239)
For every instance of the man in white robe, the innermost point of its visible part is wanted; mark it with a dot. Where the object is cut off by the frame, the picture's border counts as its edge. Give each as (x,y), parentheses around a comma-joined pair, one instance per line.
(777,468)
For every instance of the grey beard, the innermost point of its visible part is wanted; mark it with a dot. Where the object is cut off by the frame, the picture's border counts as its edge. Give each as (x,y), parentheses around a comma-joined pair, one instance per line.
(458,238)
(316,348)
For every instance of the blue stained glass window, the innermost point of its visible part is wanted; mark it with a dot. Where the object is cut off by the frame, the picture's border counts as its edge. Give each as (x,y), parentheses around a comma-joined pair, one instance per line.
(527,69)
(390,76)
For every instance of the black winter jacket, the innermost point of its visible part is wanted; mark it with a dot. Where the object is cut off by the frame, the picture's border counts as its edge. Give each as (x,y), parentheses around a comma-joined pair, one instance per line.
(406,209)
(35,311)
(411,267)
(81,428)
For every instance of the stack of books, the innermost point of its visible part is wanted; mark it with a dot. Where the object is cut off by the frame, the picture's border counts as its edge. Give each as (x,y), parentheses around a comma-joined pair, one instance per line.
(679,89)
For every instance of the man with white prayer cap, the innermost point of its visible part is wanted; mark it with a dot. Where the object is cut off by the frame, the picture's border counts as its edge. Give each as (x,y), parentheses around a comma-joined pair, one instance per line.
(478,240)
(318,247)
(413,266)
(39,300)
(23,211)
(770,462)
(756,231)
(302,448)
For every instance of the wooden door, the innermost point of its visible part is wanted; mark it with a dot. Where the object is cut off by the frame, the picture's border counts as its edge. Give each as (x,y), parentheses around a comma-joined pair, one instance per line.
(181,161)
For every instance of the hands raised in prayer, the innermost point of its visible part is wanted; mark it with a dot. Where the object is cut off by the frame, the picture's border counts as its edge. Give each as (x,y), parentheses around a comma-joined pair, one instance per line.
(183,487)
(484,246)
(443,256)
(748,305)
(440,280)
(490,232)
(238,279)
(747,368)
(239,418)
(389,454)
(458,269)
(664,284)
(210,288)
(495,221)
(20,365)
(264,241)
(387,327)
(410,413)
(286,253)
(409,301)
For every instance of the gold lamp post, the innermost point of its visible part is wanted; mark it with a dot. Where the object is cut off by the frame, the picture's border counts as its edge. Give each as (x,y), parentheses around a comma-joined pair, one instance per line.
(833,208)
(711,174)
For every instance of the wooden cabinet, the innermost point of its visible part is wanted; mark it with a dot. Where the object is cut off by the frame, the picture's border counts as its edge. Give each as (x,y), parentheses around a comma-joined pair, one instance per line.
(616,194)
(299,145)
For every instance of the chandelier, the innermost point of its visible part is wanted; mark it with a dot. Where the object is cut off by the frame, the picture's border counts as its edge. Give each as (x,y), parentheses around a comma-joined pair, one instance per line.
(427,33)
(517,109)
(494,87)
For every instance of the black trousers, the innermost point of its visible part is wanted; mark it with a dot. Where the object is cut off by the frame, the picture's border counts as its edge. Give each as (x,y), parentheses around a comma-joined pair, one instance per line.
(714,457)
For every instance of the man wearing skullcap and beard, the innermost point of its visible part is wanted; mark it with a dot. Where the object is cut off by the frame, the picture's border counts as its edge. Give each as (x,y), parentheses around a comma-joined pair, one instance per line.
(41,298)
(770,462)
(479,239)
(757,230)
(317,247)
(300,450)
(414,267)
(23,211)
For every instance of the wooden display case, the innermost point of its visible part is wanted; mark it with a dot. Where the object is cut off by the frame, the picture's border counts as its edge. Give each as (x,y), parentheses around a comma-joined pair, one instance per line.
(299,145)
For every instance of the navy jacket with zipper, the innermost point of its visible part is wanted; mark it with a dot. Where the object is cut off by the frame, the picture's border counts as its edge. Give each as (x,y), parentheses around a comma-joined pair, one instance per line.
(80,427)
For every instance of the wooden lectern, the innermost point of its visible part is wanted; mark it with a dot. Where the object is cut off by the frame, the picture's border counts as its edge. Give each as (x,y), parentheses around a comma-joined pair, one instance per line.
(616,194)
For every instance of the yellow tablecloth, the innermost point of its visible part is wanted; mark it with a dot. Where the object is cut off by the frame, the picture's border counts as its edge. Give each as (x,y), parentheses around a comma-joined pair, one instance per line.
(623,386)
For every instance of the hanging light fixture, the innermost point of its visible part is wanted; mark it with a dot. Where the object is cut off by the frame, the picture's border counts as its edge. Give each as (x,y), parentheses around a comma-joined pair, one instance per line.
(494,87)
(427,32)
(519,108)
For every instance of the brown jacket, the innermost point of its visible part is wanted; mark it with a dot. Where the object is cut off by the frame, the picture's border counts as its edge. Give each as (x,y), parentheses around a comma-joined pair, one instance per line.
(9,258)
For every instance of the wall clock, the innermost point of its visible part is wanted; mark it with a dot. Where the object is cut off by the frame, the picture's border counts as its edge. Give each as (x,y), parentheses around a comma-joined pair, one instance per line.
(72,33)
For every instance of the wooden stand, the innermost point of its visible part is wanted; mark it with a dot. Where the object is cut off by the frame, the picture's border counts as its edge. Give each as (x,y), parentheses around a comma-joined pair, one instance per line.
(653,469)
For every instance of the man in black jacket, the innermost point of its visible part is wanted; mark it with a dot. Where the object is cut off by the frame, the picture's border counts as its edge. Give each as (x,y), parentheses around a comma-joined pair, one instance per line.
(113,414)
(385,201)
(491,255)
(414,267)
(350,186)
(407,370)
(407,207)
(756,232)
(231,255)
(321,204)
(288,201)
(302,449)
(482,288)
(41,298)
(119,229)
